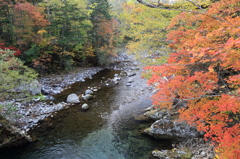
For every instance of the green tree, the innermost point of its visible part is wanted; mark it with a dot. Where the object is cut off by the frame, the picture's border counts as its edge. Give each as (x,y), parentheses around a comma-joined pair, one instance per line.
(104,31)
(66,40)
(15,77)
(7,34)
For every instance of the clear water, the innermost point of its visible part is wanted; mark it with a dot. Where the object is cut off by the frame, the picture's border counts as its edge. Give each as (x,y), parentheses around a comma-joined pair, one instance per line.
(108,130)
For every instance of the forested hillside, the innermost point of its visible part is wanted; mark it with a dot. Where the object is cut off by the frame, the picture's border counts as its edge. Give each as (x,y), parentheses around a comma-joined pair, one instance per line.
(51,35)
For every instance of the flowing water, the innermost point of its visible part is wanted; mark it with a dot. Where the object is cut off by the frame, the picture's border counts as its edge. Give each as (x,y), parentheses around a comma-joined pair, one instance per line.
(110,129)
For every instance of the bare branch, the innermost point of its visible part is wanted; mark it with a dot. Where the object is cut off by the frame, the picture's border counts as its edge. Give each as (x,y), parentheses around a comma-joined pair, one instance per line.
(200,7)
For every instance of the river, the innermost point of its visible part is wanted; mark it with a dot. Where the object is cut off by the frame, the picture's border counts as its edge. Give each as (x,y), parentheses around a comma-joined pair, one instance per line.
(110,129)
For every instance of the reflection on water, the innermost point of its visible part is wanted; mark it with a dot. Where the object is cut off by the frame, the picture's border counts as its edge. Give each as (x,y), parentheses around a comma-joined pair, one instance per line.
(107,130)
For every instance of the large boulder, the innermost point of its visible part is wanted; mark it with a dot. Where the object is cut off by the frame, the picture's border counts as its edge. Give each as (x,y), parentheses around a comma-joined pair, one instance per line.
(167,129)
(73,98)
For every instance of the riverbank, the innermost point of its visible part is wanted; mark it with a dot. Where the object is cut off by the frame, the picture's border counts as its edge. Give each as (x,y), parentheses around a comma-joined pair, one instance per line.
(26,115)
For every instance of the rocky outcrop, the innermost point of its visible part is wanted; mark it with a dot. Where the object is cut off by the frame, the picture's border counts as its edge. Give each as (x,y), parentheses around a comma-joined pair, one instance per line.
(189,143)
(12,136)
(166,126)
(167,129)
(196,148)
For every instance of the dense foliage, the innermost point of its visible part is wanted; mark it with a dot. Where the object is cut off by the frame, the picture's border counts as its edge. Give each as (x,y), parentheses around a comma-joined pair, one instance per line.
(58,34)
(145,30)
(202,75)
(15,78)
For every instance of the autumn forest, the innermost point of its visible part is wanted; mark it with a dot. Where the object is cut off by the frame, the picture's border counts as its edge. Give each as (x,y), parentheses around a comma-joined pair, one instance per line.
(190,50)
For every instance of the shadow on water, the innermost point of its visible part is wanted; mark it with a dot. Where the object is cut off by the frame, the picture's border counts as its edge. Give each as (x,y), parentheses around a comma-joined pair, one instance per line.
(108,130)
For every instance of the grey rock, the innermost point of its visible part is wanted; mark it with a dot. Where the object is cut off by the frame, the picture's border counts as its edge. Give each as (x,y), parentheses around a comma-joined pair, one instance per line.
(158,115)
(88,92)
(129,74)
(36,99)
(135,68)
(35,121)
(88,97)
(160,154)
(85,106)
(35,87)
(116,79)
(130,80)
(73,98)
(149,108)
(167,129)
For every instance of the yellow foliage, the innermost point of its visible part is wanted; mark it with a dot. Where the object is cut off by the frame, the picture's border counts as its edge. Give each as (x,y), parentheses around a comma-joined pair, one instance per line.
(147,29)
(41,32)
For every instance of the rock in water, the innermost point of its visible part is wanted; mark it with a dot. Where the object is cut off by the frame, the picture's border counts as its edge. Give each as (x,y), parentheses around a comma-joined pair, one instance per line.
(130,80)
(85,106)
(73,98)
(88,92)
(128,84)
(88,97)
(129,74)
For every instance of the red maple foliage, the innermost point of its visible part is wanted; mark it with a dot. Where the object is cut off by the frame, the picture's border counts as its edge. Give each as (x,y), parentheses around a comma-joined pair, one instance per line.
(203,73)
(108,30)
(28,20)
(10,47)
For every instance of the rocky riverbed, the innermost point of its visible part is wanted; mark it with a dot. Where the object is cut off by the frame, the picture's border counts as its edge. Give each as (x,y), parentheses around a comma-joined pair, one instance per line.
(22,116)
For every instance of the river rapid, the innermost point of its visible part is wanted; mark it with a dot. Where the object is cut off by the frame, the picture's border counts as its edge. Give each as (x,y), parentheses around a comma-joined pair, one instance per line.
(110,129)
